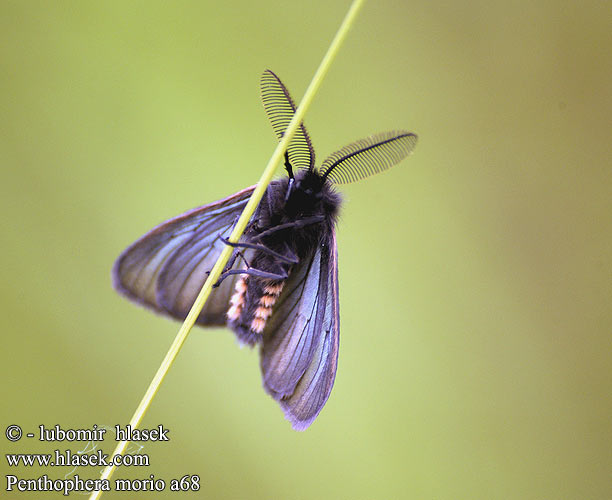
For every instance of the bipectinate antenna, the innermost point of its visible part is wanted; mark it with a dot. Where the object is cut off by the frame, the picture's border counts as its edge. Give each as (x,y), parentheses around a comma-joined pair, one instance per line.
(368,156)
(280,109)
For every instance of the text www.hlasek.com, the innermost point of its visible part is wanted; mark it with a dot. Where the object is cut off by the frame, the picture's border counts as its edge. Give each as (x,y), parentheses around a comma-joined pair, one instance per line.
(65,458)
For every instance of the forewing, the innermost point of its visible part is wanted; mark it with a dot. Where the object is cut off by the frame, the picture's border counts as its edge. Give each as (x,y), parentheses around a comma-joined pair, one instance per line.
(166,268)
(300,349)
(280,109)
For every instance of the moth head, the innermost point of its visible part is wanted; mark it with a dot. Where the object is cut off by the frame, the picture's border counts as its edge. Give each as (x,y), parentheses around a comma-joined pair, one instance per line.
(308,183)
(304,192)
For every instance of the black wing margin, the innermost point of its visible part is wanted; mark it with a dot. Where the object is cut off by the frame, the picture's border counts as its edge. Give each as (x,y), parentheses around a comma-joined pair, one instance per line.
(166,268)
(299,355)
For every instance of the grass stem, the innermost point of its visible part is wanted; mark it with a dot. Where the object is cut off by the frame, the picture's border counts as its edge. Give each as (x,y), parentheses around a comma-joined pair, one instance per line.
(237,232)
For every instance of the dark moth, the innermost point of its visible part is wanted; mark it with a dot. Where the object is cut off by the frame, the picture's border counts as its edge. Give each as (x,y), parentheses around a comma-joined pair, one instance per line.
(280,289)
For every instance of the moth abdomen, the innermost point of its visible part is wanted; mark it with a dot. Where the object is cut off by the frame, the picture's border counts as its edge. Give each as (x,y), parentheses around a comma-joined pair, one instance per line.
(266,302)
(251,306)
(238,299)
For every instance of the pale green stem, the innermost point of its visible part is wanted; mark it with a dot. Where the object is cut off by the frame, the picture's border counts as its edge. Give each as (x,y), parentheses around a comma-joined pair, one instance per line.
(237,232)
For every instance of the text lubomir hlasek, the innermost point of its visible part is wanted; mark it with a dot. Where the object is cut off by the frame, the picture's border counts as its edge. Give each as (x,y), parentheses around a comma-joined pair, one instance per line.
(127,433)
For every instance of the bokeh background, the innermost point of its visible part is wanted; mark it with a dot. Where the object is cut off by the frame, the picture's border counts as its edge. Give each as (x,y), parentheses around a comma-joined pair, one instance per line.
(476,277)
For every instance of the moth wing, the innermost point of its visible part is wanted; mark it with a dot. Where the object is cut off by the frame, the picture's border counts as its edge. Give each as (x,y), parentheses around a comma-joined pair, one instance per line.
(165,269)
(300,348)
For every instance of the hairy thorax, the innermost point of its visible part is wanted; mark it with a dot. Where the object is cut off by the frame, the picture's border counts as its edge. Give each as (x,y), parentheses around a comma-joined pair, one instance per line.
(293,219)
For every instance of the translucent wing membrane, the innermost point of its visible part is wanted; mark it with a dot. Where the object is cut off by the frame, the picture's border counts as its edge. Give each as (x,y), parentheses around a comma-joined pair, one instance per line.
(166,268)
(280,109)
(299,355)
(368,156)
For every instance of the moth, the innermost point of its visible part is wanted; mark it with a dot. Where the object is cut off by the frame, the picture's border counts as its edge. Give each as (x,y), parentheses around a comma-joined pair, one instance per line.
(280,287)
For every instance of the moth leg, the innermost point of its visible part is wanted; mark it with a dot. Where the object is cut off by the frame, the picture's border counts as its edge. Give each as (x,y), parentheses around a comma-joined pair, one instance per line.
(290,254)
(230,264)
(289,260)
(252,272)
(298,223)
(233,258)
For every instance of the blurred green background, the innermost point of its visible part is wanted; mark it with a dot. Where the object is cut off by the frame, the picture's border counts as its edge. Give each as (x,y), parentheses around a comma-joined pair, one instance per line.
(475,278)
